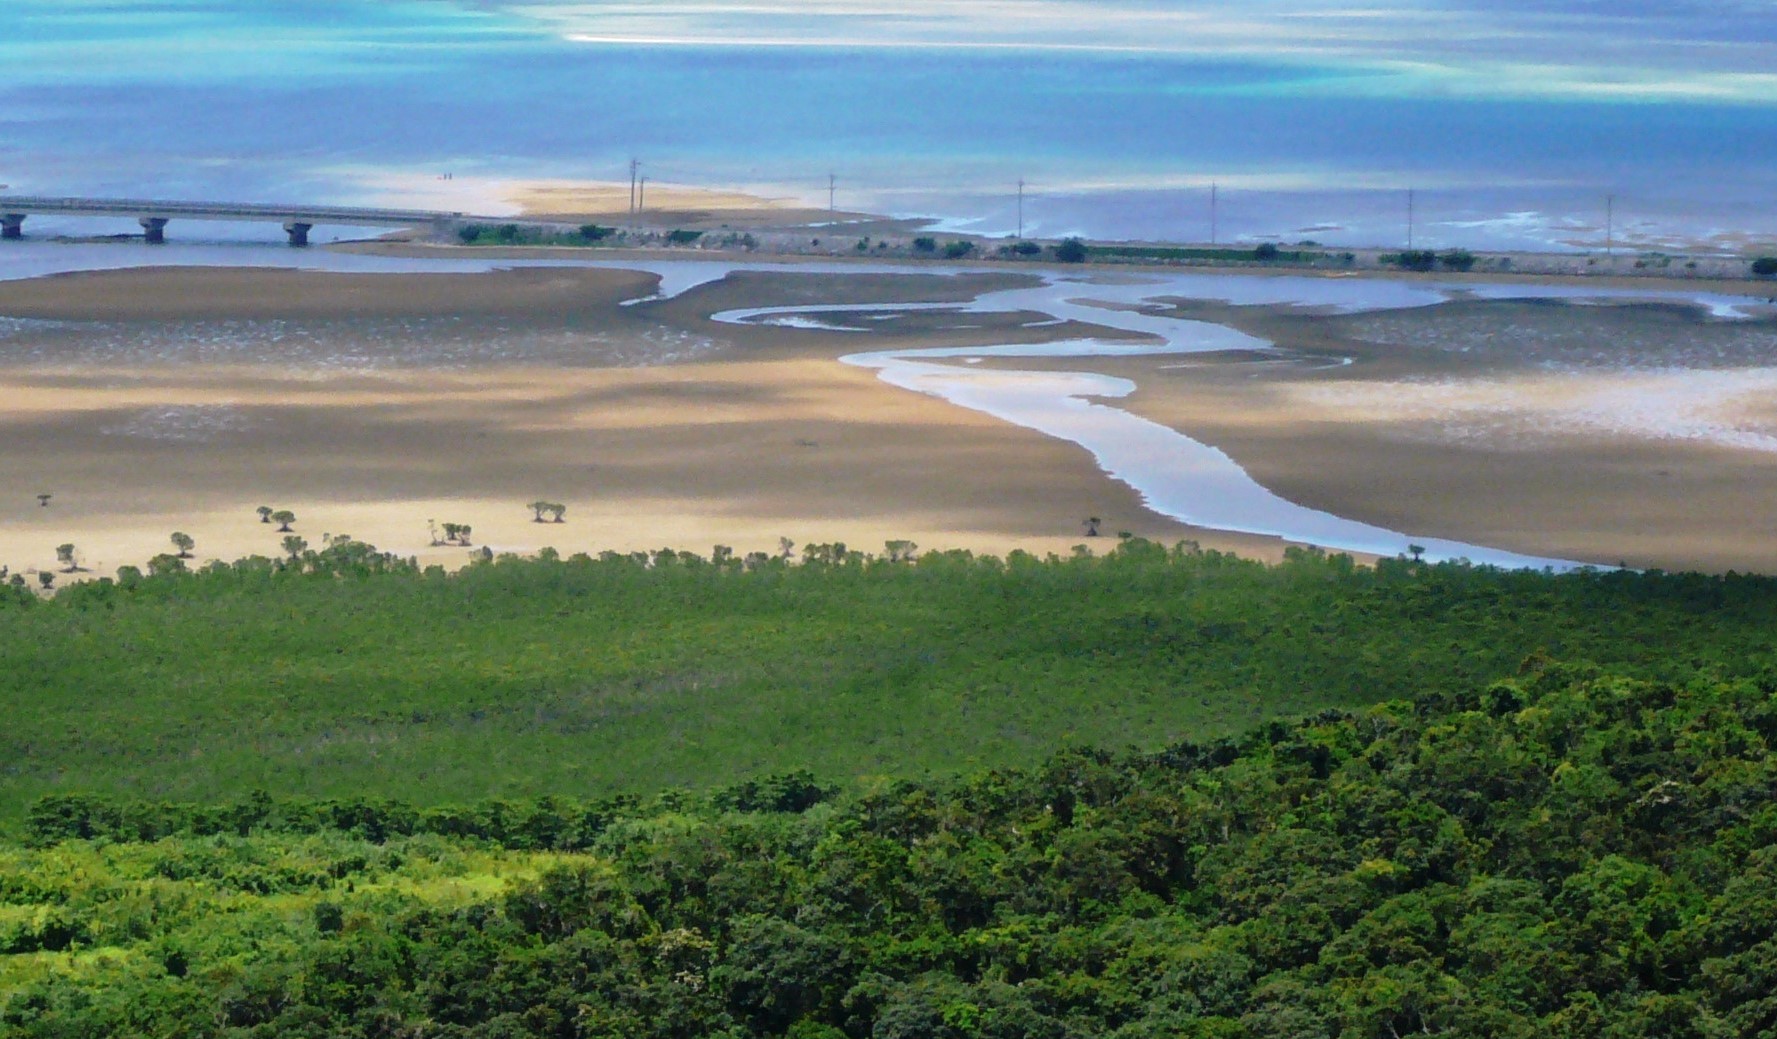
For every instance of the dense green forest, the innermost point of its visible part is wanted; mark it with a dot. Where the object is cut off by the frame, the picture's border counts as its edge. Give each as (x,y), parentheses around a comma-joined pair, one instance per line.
(1562,853)
(346,673)
(1160,792)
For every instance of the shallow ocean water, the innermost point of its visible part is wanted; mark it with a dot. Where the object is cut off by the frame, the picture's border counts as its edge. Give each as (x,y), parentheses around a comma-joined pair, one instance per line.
(1118,129)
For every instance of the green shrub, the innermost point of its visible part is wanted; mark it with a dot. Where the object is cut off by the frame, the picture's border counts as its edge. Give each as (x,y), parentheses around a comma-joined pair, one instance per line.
(1071,250)
(1457,260)
(958,249)
(925,245)
(1413,259)
(1765,266)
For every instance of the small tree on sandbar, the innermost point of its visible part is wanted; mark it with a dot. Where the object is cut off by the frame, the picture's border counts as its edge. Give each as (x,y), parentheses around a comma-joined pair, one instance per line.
(184,543)
(264,513)
(43,500)
(65,556)
(538,508)
(556,511)
(1091,523)
(47,579)
(283,518)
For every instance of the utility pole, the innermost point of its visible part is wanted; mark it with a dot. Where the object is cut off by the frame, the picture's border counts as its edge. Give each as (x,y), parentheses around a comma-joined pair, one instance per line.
(634,165)
(1610,216)
(1020,207)
(1409,219)
(831,181)
(1212,213)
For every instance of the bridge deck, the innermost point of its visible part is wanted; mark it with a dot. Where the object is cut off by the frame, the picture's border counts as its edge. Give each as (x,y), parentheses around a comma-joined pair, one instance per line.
(167,209)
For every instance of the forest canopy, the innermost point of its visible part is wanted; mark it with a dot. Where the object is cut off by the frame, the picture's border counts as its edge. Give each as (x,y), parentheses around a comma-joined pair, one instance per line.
(1162,792)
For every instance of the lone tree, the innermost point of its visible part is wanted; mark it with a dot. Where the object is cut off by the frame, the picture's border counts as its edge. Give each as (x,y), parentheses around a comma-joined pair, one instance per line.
(538,508)
(65,556)
(184,543)
(264,513)
(1417,550)
(47,579)
(1092,523)
(43,500)
(295,546)
(556,511)
(283,518)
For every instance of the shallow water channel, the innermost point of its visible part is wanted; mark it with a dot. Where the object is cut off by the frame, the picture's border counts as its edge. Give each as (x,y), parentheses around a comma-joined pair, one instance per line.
(1176,476)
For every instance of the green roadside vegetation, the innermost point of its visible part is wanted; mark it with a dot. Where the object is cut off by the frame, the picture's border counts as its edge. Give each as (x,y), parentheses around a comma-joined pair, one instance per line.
(1158,792)
(1265,252)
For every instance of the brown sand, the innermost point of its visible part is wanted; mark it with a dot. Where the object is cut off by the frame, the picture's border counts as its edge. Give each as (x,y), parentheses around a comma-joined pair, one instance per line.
(1508,449)
(762,435)
(750,446)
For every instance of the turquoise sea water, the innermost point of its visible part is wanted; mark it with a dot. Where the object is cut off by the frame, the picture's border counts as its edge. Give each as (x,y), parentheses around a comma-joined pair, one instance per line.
(345,100)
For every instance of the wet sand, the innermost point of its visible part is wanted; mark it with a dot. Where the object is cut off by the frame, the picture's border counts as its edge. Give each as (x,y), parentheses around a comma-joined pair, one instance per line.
(1612,434)
(317,393)
(753,441)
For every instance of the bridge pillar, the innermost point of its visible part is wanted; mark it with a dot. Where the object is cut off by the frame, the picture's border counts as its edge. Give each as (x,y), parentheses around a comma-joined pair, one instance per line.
(154,229)
(298,232)
(12,225)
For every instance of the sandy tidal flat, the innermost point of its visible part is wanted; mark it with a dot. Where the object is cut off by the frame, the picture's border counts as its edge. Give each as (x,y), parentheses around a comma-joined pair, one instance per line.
(383,406)
(740,442)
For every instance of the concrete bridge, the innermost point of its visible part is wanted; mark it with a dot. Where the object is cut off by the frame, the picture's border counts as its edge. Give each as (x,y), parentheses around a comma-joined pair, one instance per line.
(153,214)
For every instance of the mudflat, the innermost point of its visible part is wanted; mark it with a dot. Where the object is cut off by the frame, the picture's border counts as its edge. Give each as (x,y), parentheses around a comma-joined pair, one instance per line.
(379,406)
(383,406)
